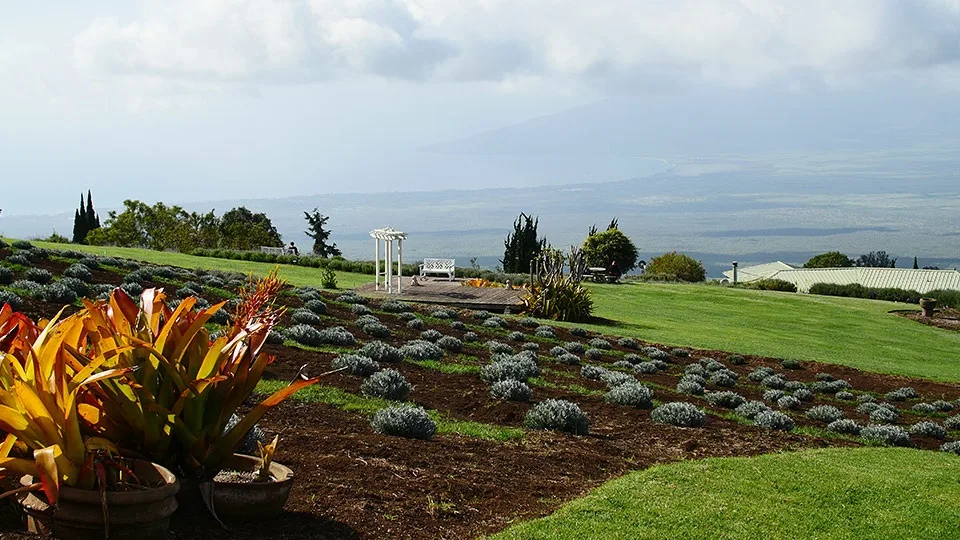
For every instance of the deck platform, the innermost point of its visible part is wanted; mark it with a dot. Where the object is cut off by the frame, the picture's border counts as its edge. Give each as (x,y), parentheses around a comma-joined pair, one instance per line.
(451,293)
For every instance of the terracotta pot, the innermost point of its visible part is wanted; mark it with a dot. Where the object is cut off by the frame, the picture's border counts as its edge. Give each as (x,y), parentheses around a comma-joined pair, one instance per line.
(249,501)
(928,305)
(136,515)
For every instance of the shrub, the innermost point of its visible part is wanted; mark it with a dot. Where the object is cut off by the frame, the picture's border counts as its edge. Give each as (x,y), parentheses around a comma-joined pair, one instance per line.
(494,322)
(736,359)
(395,306)
(12,298)
(592,372)
(865,398)
(408,421)
(695,369)
(529,322)
(574,347)
(829,387)
(496,347)
(600,343)
(415,324)
(726,399)
(558,351)
(134,290)
(788,402)
(357,364)
(316,306)
(844,395)
(773,395)
(351,297)
(883,415)
(381,352)
(824,413)
(470,337)
(790,364)
(760,374)
(419,349)
(19,259)
(360,309)
(569,359)
(59,293)
(78,287)
(942,406)
(328,278)
(407,316)
(928,429)
(558,415)
(518,368)
(376,329)
(364,320)
(902,394)
(824,377)
(93,262)
(885,434)
(457,325)
(511,390)
(622,364)
(6,275)
(679,413)
(304,316)
(751,409)
(386,384)
(628,343)
(774,381)
(631,395)
(516,336)
(430,335)
(337,335)
(714,366)
(722,379)
(480,315)
(305,335)
(924,408)
(794,385)
(656,354)
(545,332)
(680,353)
(684,267)
(450,343)
(579,332)
(690,387)
(646,368)
(615,378)
(772,284)
(530,346)
(845,426)
(691,377)
(593,354)
(953,447)
(22,244)
(184,292)
(38,275)
(773,420)
(633,358)
(78,271)
(803,394)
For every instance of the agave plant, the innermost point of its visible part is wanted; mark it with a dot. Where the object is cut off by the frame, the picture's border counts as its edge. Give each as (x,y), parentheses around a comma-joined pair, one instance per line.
(44,380)
(174,407)
(555,295)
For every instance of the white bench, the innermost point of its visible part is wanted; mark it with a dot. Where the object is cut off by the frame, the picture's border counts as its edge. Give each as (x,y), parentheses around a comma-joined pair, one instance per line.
(276,250)
(445,267)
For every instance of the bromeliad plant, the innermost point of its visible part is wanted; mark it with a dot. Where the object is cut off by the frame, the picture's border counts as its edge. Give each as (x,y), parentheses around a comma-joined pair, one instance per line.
(174,407)
(44,381)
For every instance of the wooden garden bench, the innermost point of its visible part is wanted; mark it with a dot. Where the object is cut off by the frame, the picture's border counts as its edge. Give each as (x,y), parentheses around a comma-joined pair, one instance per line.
(445,267)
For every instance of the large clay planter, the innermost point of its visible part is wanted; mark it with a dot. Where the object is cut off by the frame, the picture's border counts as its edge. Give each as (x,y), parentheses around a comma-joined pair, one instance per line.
(249,501)
(928,305)
(142,514)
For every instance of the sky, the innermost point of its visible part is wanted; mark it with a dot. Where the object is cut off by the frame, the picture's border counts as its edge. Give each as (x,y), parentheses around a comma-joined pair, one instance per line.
(193,100)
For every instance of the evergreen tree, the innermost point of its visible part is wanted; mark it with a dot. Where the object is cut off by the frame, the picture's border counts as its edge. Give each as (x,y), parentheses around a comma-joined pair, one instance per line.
(80,223)
(93,220)
(315,225)
(916,265)
(522,245)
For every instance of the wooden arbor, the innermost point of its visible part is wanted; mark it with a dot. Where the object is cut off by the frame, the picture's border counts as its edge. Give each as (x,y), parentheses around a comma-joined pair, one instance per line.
(387,236)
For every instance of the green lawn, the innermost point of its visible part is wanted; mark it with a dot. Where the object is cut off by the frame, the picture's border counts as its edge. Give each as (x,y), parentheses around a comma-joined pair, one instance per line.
(847,331)
(296,275)
(881,493)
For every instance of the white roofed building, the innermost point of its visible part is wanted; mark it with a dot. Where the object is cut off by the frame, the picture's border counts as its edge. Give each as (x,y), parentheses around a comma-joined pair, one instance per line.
(922,281)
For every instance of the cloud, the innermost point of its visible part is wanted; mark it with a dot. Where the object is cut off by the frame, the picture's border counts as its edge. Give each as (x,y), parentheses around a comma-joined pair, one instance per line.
(613,42)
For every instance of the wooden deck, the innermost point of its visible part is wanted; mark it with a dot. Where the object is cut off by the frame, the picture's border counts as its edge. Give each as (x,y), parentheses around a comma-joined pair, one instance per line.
(451,293)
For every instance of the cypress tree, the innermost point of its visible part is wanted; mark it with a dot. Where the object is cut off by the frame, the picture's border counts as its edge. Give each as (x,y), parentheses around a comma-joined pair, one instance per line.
(522,245)
(93,220)
(80,223)
(916,265)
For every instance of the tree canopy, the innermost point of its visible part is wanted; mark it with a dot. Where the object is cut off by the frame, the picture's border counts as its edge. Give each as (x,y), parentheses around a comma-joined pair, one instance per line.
(242,229)
(831,259)
(684,267)
(315,229)
(611,245)
(522,245)
(877,259)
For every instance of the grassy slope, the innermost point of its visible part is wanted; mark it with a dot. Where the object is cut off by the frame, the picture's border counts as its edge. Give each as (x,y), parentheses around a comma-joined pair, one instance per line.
(852,332)
(835,493)
(296,275)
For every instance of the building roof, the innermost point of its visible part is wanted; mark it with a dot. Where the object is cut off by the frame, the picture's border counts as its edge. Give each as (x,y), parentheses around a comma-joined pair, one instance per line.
(759,271)
(922,281)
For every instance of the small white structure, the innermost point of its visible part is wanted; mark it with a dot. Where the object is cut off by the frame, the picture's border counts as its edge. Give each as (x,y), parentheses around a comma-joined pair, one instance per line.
(746,274)
(388,235)
(445,267)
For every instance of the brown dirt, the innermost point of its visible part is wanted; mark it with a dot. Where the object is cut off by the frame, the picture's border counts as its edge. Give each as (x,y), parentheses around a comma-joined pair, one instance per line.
(354,483)
(946,318)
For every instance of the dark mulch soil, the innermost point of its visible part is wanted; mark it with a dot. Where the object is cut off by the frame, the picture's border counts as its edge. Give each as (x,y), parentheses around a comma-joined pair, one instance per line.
(354,483)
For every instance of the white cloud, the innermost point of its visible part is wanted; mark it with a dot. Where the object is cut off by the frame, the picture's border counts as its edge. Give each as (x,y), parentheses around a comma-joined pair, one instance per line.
(608,42)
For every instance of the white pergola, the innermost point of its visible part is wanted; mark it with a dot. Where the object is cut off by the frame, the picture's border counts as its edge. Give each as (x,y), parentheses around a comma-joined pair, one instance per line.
(387,235)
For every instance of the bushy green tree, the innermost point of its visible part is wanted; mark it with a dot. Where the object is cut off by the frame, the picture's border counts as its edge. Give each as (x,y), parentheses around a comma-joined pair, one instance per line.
(315,229)
(603,248)
(686,268)
(158,227)
(242,229)
(831,259)
(522,245)
(877,259)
